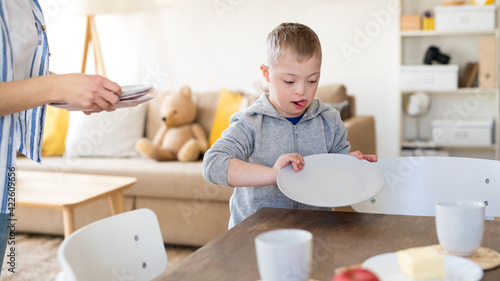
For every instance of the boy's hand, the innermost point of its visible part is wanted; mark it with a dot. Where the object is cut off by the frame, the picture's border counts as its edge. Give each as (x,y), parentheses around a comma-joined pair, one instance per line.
(359,155)
(295,159)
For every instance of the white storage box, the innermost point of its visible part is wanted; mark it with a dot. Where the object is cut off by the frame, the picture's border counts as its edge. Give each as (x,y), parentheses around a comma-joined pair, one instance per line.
(465,18)
(476,133)
(429,77)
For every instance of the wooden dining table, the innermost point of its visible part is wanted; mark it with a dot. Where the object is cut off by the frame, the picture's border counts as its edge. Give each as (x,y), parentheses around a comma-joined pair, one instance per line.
(339,239)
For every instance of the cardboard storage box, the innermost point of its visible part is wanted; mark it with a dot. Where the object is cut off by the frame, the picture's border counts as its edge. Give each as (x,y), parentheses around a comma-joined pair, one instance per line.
(475,133)
(465,18)
(429,77)
(488,53)
(410,22)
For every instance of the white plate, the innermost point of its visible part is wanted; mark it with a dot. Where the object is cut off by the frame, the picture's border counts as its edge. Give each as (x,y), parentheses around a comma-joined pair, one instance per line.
(128,92)
(386,267)
(120,104)
(331,180)
(134,89)
(131,96)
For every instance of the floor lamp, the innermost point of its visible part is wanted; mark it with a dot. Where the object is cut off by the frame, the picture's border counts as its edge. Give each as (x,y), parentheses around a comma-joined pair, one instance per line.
(92,38)
(91,8)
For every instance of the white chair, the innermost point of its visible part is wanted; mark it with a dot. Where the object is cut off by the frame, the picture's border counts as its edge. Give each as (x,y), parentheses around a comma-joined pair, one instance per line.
(127,246)
(414,184)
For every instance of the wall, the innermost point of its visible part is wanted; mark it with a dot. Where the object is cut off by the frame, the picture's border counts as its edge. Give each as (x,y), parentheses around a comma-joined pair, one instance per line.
(213,44)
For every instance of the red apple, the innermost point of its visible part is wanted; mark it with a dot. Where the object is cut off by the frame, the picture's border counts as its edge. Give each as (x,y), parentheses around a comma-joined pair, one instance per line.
(356,274)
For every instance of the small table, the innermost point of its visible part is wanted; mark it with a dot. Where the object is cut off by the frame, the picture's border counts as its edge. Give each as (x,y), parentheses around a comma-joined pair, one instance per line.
(340,239)
(66,191)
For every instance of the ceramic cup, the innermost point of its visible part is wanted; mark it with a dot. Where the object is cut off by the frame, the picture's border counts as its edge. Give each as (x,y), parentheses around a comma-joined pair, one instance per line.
(284,254)
(460,226)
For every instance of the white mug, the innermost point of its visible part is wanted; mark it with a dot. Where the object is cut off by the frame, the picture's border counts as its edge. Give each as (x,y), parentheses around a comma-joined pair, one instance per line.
(460,226)
(284,254)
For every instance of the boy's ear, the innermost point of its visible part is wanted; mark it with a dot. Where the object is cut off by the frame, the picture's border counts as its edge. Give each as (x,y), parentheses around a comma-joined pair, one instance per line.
(265,72)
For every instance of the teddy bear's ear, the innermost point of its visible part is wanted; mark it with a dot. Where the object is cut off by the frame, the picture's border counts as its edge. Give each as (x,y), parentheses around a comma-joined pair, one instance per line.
(186,92)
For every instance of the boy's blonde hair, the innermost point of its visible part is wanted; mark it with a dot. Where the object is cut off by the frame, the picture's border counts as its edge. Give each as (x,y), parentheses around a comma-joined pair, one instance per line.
(296,38)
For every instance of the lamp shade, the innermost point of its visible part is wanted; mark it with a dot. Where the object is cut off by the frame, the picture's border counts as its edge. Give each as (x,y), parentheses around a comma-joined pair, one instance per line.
(96,7)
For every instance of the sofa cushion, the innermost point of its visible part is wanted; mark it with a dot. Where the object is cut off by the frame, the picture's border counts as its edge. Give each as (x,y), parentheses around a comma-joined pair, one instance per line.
(336,94)
(332,93)
(54,132)
(229,103)
(169,179)
(111,134)
(342,107)
(153,117)
(206,103)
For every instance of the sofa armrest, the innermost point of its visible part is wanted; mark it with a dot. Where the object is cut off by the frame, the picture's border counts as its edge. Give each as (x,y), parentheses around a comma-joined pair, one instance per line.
(361,133)
(351,107)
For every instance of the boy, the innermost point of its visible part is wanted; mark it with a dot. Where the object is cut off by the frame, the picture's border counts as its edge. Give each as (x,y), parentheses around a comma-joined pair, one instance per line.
(279,129)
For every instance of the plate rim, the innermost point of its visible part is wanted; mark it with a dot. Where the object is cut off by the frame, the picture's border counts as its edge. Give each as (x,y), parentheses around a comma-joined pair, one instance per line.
(136,95)
(118,105)
(142,88)
(445,256)
(146,89)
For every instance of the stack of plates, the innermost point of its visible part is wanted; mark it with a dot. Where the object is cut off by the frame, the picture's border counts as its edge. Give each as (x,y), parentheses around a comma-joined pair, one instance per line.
(131,96)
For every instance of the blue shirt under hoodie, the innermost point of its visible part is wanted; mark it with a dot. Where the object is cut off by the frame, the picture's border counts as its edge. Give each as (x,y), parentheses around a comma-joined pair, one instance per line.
(260,135)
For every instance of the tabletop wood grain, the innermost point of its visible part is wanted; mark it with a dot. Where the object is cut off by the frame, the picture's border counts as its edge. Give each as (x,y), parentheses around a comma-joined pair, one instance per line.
(340,239)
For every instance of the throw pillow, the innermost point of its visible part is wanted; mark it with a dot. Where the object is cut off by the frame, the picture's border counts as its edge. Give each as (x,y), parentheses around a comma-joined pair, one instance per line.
(332,93)
(342,108)
(229,103)
(105,134)
(54,132)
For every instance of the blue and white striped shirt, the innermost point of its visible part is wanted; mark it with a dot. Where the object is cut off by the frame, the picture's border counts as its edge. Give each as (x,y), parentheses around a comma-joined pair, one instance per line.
(21,131)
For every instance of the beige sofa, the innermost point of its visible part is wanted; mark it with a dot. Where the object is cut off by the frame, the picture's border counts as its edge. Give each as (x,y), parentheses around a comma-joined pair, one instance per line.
(190,210)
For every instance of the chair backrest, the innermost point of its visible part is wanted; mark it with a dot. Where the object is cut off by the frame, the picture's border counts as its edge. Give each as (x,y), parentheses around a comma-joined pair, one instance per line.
(127,246)
(413,185)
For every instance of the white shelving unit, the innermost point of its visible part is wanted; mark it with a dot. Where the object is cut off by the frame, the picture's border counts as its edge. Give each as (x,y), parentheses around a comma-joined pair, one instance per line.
(464,103)
(422,33)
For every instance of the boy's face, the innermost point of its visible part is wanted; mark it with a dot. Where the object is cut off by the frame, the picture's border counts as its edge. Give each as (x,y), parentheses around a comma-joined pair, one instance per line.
(292,85)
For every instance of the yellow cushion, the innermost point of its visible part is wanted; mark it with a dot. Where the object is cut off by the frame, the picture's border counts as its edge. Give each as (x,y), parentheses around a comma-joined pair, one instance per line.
(54,132)
(488,2)
(229,103)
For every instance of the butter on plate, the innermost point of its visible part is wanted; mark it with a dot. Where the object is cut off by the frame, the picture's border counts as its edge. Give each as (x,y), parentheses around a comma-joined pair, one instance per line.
(421,263)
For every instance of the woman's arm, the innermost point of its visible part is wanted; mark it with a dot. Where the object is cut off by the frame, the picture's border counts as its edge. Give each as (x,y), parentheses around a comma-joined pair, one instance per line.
(92,92)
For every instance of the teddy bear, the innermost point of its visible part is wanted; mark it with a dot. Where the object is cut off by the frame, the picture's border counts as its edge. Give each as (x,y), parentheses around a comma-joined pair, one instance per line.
(179,137)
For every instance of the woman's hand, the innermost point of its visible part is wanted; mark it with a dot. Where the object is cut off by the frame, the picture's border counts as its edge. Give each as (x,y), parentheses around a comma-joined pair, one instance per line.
(91,92)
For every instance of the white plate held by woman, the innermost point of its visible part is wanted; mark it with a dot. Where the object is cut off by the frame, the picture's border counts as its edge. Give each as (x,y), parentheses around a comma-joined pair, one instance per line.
(119,104)
(132,95)
(129,90)
(331,180)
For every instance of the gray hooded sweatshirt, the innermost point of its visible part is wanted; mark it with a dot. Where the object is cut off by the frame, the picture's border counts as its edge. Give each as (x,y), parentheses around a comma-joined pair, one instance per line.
(260,135)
